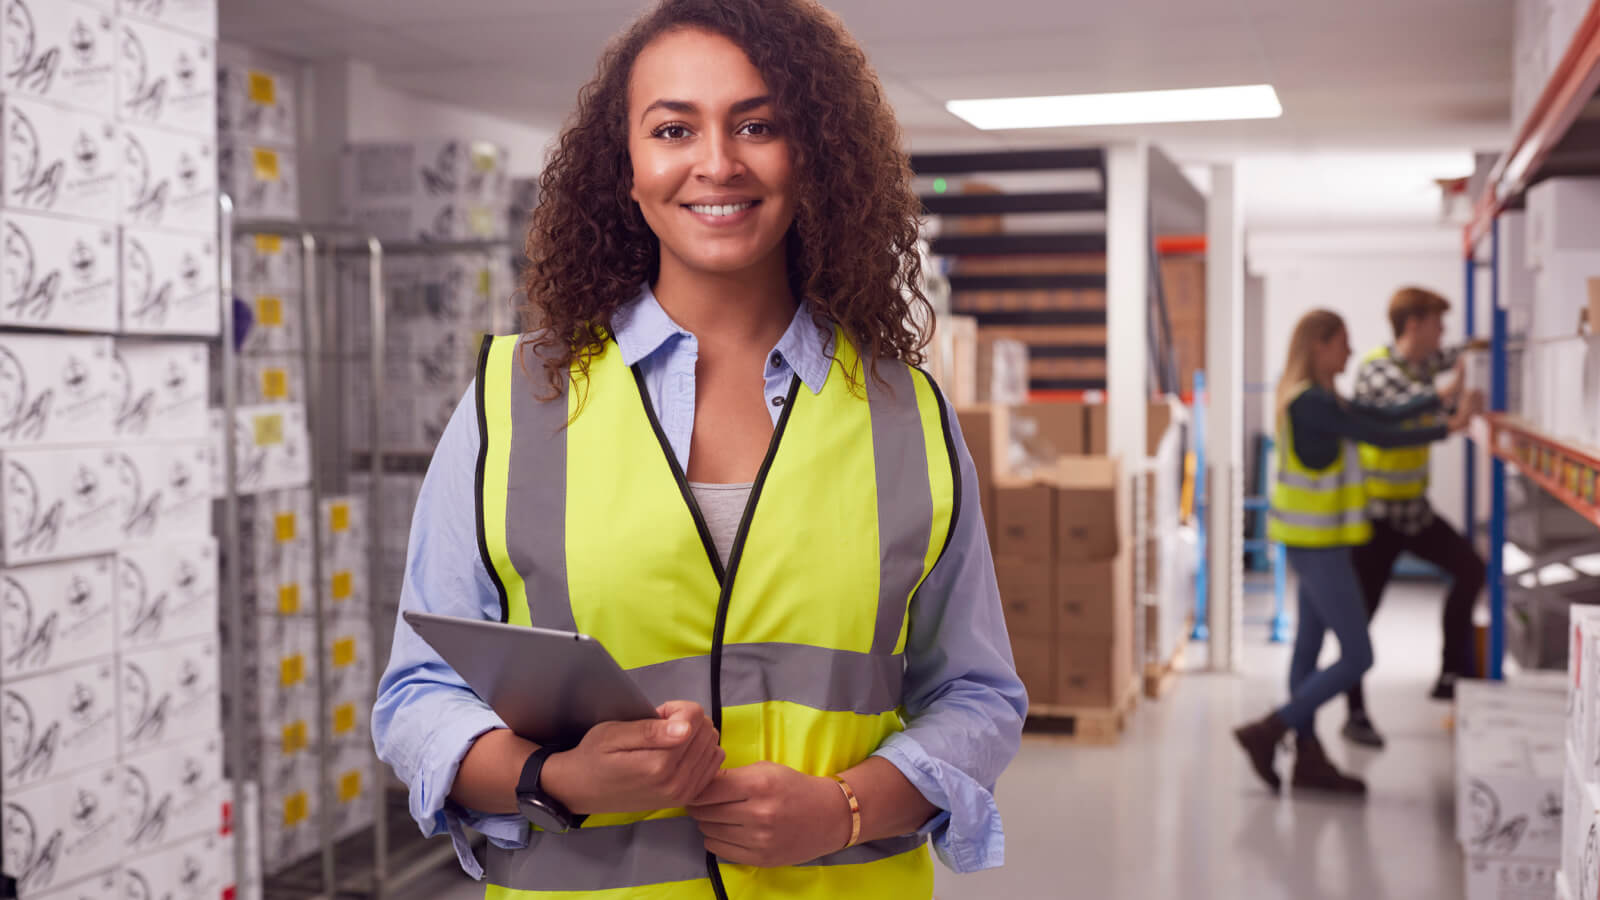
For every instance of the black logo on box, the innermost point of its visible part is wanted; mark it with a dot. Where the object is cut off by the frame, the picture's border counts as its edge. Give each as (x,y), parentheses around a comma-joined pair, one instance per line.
(31,530)
(83,42)
(146,93)
(30,749)
(34,182)
(34,71)
(31,297)
(148,200)
(30,856)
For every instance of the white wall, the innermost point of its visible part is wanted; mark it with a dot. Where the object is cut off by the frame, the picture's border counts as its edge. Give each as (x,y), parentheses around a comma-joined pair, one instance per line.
(1354,274)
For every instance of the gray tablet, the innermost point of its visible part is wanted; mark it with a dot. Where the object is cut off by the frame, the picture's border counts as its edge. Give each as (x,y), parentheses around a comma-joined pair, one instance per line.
(551,687)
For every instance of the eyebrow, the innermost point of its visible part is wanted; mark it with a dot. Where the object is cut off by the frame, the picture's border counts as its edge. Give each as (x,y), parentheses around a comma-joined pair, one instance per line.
(684,107)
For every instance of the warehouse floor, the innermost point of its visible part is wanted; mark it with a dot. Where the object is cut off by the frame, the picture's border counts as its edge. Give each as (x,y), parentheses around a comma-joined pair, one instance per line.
(1173,811)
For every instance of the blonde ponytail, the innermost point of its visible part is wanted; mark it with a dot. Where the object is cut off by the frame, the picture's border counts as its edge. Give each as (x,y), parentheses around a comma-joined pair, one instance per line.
(1314,328)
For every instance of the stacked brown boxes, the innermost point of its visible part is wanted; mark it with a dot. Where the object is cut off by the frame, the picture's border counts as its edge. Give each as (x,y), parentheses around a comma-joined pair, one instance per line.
(1183,280)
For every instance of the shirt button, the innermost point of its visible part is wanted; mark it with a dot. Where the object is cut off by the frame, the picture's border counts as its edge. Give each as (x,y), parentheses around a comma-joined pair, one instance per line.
(777,401)
(777,360)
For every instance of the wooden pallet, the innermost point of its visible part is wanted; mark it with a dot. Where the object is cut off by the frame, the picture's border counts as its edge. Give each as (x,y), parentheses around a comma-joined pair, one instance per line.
(1084,725)
(1159,678)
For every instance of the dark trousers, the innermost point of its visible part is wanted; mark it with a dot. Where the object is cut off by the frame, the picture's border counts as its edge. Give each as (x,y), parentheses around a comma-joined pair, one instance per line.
(1444,547)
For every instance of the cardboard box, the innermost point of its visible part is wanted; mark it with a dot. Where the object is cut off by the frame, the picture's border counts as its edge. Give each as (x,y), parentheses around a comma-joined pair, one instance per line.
(977,425)
(269,265)
(1089,517)
(59,273)
(1583,687)
(169,283)
(1035,657)
(60,160)
(349,661)
(199,868)
(1584,875)
(1157,417)
(1504,878)
(273,448)
(430,219)
(1561,293)
(264,181)
(171,485)
(354,770)
(164,390)
(95,887)
(61,502)
(170,180)
(173,793)
(1027,594)
(277,324)
(1088,596)
(55,390)
(1038,434)
(257,104)
(170,693)
(196,16)
(289,821)
(272,378)
(1025,521)
(1561,213)
(166,78)
(397,173)
(63,831)
(277,696)
(54,615)
(166,591)
(1509,792)
(1094,671)
(58,722)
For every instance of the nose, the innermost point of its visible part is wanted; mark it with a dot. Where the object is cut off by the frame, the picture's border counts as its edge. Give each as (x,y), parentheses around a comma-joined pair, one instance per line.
(719,161)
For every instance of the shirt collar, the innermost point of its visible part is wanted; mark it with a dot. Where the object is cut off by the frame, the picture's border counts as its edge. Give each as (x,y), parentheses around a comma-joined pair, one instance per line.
(642,328)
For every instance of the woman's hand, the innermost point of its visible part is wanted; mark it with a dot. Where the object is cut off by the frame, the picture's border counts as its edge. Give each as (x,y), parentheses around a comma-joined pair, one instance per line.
(770,815)
(637,766)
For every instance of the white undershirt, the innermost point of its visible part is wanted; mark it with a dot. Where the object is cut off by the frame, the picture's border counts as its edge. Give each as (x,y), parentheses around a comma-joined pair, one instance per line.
(722,506)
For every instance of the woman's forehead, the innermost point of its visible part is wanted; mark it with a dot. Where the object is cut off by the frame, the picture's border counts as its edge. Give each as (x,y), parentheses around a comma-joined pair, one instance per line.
(693,67)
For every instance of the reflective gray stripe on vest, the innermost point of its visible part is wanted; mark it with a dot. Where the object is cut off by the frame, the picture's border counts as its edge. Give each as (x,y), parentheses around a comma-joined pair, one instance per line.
(1399,476)
(818,677)
(1321,520)
(536,502)
(656,851)
(1330,482)
(905,499)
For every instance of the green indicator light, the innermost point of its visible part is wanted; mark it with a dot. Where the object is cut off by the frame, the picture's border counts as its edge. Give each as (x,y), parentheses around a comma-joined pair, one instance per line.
(940,185)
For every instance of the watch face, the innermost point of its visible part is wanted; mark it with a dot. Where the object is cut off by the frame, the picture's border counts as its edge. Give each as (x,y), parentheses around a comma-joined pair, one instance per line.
(541,815)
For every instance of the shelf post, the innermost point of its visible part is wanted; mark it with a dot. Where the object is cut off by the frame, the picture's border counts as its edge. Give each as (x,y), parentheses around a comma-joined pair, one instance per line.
(1497,469)
(1470,449)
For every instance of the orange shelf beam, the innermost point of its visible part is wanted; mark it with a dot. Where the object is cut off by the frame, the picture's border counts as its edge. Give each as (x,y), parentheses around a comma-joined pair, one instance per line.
(1572,84)
(1567,471)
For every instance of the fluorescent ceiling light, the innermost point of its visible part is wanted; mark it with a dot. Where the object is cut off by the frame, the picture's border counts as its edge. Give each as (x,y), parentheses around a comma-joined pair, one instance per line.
(1515,562)
(1555,574)
(1252,101)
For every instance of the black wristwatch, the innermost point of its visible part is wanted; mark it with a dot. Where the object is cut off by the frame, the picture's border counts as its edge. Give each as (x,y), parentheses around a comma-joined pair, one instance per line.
(539,807)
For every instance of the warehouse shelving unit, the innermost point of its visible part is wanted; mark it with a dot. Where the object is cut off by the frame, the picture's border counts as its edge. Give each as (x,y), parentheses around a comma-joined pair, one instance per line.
(1557,139)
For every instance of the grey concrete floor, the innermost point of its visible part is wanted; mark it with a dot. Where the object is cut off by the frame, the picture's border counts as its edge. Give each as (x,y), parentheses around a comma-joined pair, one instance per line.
(1173,810)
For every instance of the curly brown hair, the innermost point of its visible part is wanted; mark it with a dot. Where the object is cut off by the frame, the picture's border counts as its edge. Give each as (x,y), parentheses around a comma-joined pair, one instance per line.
(852,248)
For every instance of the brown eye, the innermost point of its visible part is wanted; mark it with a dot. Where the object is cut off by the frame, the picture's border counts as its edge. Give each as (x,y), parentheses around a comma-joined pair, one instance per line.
(671,132)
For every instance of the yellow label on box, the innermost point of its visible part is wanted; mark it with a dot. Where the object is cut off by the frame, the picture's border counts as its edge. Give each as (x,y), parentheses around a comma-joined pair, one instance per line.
(349,786)
(266,163)
(288,599)
(269,244)
(292,670)
(344,718)
(339,517)
(481,221)
(283,524)
(294,738)
(275,384)
(485,156)
(485,282)
(342,585)
(263,88)
(296,808)
(344,652)
(269,429)
(269,311)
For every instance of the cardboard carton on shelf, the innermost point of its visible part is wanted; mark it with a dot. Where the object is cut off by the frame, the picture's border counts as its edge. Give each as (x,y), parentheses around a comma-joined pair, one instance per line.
(1507,878)
(1509,791)
(1583,687)
(267,265)
(1089,518)
(395,173)
(978,425)
(263,180)
(55,390)
(273,448)
(60,503)
(1035,657)
(1088,596)
(61,52)
(1580,807)
(195,16)
(60,273)
(256,103)
(1561,293)
(166,78)
(59,722)
(1025,520)
(60,160)
(169,180)
(103,884)
(173,793)
(164,388)
(55,615)
(170,693)
(1038,434)
(1095,672)
(1027,595)
(198,867)
(1002,371)
(170,485)
(63,831)
(1560,216)
(166,591)
(169,283)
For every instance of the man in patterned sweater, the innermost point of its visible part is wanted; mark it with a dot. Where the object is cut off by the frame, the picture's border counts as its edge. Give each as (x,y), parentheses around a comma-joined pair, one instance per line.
(1397,483)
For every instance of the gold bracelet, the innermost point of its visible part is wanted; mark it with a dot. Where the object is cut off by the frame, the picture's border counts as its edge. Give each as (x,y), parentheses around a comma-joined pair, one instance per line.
(855,812)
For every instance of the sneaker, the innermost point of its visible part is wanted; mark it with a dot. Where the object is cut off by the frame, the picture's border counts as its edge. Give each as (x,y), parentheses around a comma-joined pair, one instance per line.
(1360,730)
(1445,687)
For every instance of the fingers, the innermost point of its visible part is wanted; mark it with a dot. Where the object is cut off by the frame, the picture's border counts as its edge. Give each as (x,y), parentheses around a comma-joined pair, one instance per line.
(732,835)
(727,787)
(687,709)
(733,853)
(678,728)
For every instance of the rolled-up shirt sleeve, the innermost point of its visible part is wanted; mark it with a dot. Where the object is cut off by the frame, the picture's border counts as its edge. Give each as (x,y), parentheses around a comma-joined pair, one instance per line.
(964,703)
(426,718)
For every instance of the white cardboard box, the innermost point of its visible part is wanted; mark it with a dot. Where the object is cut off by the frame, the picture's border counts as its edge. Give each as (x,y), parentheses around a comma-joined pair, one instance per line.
(1561,292)
(170,693)
(273,447)
(277,323)
(1509,793)
(1584,875)
(171,484)
(263,181)
(55,390)
(1579,810)
(96,887)
(60,160)
(1507,878)
(60,502)
(58,723)
(289,820)
(278,693)
(54,615)
(166,591)
(58,273)
(379,173)
(353,771)
(63,831)
(165,387)
(272,378)
(442,218)
(257,104)
(200,868)
(197,16)
(169,180)
(1561,213)
(267,264)
(166,78)
(169,283)
(60,51)
(1583,688)
(349,659)
(172,793)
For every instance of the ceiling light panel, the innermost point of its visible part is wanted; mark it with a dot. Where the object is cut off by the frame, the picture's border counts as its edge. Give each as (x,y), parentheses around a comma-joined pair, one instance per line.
(1253,101)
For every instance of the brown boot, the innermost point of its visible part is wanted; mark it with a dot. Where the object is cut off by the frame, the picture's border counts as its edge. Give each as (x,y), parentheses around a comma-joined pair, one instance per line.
(1313,771)
(1260,742)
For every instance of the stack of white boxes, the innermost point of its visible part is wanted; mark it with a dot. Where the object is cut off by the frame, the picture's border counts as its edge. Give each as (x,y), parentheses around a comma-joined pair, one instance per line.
(110,732)
(1542,32)
(256,130)
(1561,373)
(1509,765)
(399,498)
(1580,831)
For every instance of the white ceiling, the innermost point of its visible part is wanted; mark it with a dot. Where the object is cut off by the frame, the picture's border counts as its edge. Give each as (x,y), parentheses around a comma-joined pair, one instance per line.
(1363,78)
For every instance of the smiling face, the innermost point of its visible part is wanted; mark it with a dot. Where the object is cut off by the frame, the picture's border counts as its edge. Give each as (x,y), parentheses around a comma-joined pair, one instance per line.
(712,171)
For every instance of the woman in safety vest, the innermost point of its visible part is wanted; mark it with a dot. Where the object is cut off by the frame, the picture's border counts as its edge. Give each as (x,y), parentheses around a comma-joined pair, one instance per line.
(712,451)
(1319,512)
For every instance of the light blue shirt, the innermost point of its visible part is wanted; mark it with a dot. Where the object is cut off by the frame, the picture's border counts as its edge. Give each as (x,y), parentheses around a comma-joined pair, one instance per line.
(963,703)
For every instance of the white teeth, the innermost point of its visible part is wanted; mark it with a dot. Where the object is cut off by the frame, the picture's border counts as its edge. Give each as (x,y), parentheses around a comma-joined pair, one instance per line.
(726,210)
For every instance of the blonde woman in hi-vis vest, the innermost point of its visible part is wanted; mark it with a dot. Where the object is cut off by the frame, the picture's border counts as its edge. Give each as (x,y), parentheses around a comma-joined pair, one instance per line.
(712,450)
(1319,513)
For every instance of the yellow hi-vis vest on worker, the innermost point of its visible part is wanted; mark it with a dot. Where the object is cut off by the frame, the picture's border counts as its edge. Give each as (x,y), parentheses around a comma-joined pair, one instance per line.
(796,649)
(1400,473)
(1317,508)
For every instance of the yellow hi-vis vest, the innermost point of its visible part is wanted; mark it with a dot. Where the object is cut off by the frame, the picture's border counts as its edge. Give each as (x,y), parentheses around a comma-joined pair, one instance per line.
(1317,508)
(1400,473)
(796,650)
